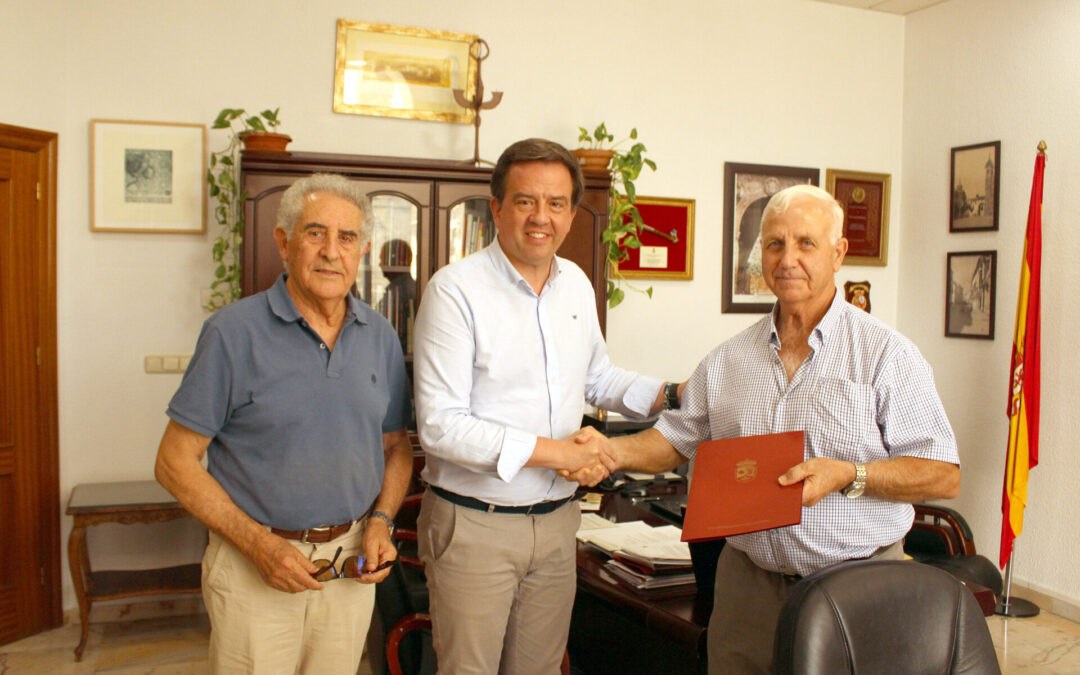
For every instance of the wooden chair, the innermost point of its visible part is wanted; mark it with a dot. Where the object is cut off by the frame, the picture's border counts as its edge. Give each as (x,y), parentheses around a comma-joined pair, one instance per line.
(941,537)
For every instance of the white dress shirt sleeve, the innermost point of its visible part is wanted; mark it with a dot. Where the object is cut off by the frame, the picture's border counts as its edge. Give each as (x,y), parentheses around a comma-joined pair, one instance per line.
(609,387)
(443,356)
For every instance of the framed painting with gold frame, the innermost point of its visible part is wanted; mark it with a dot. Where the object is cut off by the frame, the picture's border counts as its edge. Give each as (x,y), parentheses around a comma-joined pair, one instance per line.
(667,241)
(147,177)
(865,200)
(402,71)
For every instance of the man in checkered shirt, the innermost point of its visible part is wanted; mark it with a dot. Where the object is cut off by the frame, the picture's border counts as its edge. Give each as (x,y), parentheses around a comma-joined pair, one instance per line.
(876,435)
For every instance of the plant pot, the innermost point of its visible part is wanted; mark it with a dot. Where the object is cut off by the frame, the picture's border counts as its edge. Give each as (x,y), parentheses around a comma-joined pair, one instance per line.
(593,161)
(265,141)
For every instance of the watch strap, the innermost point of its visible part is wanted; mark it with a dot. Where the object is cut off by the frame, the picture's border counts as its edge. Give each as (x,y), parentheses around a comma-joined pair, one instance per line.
(387,519)
(671,396)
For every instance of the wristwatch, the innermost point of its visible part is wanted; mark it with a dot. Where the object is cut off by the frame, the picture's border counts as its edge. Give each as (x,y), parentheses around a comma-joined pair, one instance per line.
(387,519)
(671,396)
(857,486)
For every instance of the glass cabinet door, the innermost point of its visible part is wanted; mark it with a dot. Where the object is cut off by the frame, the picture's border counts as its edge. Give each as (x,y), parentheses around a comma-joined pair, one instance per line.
(388,273)
(471,227)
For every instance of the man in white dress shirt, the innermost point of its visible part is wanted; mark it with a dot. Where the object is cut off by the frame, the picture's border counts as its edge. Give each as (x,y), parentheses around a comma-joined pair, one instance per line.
(508,349)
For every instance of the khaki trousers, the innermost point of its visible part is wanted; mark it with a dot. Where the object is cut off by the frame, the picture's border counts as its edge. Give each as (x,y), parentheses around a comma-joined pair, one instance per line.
(502,586)
(746,608)
(259,629)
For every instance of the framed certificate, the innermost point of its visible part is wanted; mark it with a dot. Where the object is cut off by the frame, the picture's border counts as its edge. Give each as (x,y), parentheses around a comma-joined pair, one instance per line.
(865,200)
(667,241)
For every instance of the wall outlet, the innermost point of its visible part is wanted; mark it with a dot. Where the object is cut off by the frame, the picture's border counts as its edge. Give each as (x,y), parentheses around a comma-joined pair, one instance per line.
(165,363)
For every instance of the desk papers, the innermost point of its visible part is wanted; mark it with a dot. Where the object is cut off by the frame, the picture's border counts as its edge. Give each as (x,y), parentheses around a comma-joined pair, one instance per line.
(643,557)
(734,488)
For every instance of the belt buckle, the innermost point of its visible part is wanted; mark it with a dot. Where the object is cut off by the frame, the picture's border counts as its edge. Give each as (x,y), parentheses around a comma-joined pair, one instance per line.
(317,528)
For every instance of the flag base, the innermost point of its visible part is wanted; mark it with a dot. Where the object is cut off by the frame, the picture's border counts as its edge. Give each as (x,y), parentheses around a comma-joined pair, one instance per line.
(1017,608)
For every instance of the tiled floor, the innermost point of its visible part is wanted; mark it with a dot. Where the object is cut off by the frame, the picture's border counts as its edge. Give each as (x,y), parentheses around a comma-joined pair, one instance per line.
(177,645)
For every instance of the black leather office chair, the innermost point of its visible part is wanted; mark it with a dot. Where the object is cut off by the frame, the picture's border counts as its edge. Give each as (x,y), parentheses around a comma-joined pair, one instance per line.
(941,537)
(882,616)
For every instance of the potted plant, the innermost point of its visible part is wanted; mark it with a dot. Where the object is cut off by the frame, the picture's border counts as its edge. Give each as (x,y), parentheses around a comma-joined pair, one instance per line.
(624,220)
(223,183)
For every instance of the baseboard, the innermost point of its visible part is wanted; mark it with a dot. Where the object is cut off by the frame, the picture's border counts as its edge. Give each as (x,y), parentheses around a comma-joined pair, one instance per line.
(102,612)
(1047,601)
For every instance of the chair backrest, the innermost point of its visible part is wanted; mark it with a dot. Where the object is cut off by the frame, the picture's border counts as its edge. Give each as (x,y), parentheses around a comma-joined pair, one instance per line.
(882,616)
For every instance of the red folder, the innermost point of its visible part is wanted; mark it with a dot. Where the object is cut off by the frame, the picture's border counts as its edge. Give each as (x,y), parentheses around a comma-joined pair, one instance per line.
(734,488)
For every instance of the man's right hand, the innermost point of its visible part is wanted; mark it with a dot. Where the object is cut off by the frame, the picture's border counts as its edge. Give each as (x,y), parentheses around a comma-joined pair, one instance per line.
(282,566)
(592,474)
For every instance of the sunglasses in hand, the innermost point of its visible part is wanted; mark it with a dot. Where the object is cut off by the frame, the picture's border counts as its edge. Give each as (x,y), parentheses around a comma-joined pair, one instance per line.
(352,568)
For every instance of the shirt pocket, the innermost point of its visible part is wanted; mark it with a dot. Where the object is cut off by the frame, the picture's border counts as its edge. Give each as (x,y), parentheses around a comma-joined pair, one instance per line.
(842,420)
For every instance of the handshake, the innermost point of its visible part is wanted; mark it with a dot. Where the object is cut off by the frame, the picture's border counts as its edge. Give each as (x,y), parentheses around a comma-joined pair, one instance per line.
(588,457)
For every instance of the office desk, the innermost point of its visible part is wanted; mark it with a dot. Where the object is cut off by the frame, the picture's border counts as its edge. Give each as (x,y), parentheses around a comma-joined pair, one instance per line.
(617,629)
(127,503)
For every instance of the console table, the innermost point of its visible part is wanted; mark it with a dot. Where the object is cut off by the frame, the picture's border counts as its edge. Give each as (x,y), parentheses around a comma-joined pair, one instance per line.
(126,503)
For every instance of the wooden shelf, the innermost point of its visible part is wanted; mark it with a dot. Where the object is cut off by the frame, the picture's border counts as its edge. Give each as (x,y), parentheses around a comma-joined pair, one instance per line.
(115,584)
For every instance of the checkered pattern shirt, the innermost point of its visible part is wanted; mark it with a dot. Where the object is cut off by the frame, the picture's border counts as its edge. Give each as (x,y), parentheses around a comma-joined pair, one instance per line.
(864,393)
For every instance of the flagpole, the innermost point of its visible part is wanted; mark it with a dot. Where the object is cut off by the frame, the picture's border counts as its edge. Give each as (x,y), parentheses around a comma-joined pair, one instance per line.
(1017,608)
(1009,606)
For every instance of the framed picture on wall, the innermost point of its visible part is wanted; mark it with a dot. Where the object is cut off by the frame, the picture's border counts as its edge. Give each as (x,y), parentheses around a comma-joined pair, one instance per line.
(747,188)
(667,241)
(147,177)
(971,293)
(975,179)
(402,71)
(865,200)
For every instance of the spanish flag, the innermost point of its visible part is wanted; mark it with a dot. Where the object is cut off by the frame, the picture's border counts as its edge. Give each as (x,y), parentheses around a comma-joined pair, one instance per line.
(1023,409)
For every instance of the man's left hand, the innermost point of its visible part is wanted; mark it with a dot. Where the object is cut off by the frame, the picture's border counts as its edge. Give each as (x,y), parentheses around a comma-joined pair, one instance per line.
(819,477)
(378,549)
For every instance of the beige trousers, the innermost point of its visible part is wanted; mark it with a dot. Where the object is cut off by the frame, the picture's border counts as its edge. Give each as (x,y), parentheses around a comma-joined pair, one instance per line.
(502,586)
(259,629)
(746,607)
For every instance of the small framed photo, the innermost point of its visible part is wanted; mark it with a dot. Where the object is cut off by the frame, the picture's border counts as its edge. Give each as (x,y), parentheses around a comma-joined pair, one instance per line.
(975,179)
(971,294)
(402,71)
(147,177)
(865,200)
(667,241)
(747,189)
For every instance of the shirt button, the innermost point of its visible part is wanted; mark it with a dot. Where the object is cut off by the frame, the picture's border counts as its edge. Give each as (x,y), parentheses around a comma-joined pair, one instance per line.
(322,345)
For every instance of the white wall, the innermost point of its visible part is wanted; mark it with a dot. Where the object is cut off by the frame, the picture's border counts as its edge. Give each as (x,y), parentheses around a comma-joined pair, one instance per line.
(766,81)
(976,71)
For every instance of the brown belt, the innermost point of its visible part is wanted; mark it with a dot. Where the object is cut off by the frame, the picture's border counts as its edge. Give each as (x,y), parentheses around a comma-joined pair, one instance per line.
(320,534)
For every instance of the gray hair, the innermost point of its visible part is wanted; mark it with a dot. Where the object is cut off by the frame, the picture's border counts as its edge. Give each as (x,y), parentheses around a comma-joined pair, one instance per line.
(834,213)
(292,202)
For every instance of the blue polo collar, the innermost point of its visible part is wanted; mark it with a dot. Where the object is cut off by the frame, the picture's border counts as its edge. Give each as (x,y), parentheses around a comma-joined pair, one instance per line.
(282,305)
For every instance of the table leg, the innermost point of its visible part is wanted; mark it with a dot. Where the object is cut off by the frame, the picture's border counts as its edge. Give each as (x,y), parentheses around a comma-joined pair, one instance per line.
(79,562)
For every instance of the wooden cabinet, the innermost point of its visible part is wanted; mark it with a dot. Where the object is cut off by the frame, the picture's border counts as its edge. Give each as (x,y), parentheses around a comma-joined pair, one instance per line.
(428,213)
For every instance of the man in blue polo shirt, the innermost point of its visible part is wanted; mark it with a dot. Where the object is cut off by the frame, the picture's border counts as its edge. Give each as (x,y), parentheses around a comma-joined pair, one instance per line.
(298,398)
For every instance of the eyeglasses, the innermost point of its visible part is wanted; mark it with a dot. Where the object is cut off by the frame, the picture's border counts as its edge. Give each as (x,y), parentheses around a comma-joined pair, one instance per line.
(352,568)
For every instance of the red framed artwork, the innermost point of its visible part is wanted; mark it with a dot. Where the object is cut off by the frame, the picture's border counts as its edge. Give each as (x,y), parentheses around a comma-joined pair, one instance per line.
(865,200)
(667,241)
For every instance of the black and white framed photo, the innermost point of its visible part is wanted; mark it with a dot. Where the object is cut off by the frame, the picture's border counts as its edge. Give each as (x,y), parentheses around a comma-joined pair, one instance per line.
(147,177)
(975,179)
(747,189)
(971,280)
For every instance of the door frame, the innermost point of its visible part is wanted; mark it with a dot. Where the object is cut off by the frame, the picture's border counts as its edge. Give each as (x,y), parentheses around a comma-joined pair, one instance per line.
(44,144)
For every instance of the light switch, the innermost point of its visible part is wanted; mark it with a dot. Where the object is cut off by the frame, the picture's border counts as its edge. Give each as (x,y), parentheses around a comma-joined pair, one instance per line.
(153,364)
(170,364)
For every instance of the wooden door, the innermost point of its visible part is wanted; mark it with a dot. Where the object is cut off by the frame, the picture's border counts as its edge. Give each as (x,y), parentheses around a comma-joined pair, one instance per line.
(29,476)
